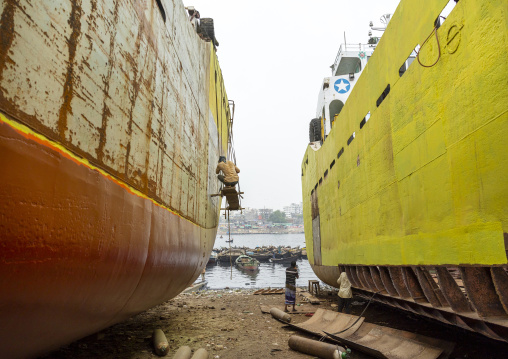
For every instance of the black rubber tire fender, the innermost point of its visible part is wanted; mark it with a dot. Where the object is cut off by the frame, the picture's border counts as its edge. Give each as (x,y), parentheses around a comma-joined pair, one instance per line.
(315,130)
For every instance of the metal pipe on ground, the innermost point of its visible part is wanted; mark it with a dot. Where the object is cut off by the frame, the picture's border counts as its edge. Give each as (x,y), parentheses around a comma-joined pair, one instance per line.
(280,315)
(200,354)
(160,343)
(316,348)
(183,353)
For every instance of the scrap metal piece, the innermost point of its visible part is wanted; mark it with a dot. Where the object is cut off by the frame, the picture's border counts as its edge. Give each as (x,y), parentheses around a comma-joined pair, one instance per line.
(317,348)
(160,343)
(280,315)
(378,341)
(183,353)
(200,354)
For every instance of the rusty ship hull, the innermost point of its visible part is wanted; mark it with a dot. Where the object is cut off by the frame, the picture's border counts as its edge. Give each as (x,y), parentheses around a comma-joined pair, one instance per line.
(408,193)
(112,119)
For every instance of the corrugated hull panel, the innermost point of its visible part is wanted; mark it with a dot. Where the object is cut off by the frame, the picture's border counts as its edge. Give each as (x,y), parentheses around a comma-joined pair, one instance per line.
(112,123)
(416,203)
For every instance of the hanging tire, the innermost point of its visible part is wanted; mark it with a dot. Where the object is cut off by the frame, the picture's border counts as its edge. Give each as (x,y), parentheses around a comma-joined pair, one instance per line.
(315,130)
(208,31)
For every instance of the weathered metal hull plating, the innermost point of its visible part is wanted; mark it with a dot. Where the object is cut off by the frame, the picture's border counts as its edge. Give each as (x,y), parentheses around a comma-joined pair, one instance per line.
(112,117)
(413,204)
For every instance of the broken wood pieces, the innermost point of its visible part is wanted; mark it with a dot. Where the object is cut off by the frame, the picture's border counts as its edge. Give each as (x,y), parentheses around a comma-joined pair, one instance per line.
(269,291)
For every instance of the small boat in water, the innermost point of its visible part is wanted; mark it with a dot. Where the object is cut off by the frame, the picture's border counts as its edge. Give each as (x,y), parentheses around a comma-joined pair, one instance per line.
(229,240)
(285,259)
(247,263)
(228,255)
(261,256)
(213,258)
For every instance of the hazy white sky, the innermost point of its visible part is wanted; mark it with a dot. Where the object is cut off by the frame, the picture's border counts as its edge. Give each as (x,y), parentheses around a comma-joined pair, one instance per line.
(274,55)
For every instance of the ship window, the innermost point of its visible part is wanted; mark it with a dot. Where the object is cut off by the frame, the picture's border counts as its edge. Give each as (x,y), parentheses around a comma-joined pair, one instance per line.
(161,9)
(312,192)
(340,152)
(315,187)
(331,164)
(365,119)
(383,95)
(351,138)
(326,174)
(321,181)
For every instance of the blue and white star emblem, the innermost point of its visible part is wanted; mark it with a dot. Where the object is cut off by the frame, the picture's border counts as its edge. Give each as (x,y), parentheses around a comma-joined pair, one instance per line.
(342,85)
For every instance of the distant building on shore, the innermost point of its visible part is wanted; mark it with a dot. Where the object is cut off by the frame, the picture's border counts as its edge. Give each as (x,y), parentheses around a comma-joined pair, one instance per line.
(293,209)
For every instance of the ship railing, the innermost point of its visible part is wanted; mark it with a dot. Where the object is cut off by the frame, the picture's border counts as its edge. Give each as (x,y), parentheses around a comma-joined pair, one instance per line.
(352,48)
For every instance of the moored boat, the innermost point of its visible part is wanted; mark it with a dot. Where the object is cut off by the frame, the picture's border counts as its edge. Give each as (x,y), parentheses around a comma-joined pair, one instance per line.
(247,263)
(261,256)
(112,118)
(285,259)
(402,183)
(230,255)
(213,258)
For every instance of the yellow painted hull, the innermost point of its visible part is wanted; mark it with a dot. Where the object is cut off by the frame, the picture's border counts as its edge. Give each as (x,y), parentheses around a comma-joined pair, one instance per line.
(425,180)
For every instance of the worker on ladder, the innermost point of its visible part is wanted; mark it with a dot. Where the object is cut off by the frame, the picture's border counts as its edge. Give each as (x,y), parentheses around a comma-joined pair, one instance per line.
(230,172)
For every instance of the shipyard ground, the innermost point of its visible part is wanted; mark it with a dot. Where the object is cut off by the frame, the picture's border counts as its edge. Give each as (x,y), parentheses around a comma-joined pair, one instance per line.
(229,324)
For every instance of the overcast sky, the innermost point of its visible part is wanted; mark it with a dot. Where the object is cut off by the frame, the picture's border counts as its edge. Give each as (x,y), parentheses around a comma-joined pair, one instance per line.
(274,55)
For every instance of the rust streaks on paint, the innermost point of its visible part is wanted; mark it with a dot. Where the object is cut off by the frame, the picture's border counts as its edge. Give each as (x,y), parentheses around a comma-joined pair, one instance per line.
(72,43)
(105,109)
(7,35)
(134,94)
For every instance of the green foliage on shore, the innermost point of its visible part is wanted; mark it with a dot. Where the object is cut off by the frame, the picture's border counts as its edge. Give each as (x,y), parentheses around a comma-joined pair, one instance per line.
(278,217)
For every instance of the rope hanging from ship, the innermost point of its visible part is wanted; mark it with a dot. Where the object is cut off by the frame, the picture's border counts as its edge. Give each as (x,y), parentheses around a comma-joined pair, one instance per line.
(434,31)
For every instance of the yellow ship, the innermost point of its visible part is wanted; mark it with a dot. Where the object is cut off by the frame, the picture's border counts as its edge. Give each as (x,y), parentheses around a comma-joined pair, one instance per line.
(405,184)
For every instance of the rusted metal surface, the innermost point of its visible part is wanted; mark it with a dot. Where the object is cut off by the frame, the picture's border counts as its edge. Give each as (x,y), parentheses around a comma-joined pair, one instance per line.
(375,340)
(412,285)
(472,298)
(368,278)
(500,280)
(451,291)
(111,83)
(398,281)
(360,277)
(481,292)
(332,322)
(429,287)
(109,138)
(376,277)
(387,281)
(349,273)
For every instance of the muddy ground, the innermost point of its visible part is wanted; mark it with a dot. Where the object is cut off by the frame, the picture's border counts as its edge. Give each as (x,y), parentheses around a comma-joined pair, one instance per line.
(229,324)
